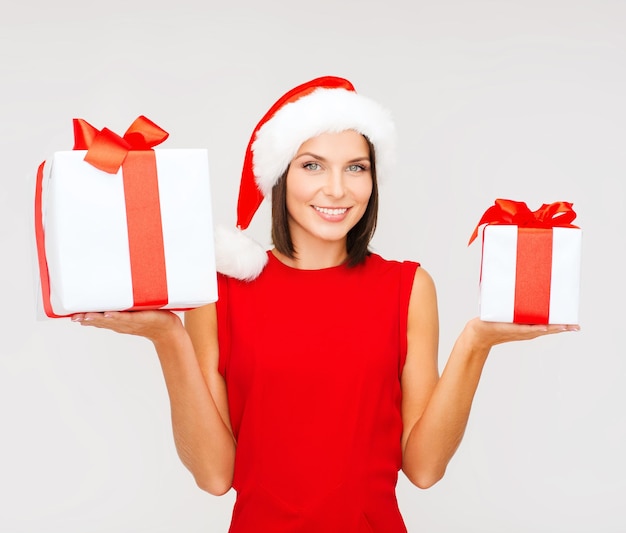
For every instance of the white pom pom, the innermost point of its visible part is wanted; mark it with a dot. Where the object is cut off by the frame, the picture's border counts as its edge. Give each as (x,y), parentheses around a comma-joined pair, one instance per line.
(237,255)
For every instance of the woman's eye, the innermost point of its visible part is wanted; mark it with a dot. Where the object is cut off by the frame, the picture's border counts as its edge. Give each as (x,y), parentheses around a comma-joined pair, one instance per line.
(356,168)
(312,166)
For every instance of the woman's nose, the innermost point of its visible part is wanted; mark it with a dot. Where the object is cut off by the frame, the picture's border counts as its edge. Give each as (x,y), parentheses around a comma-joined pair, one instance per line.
(334,185)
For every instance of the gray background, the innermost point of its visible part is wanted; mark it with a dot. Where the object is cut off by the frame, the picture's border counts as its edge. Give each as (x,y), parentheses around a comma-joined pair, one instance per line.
(512,99)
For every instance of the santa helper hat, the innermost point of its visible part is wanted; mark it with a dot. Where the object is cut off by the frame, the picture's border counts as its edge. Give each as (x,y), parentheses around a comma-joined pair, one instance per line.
(323,105)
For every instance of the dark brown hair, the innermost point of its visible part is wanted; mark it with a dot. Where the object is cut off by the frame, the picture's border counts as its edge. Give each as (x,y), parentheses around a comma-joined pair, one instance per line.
(359,236)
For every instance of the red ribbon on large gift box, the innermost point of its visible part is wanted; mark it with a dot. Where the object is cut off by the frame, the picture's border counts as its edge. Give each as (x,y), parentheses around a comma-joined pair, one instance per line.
(133,153)
(534,254)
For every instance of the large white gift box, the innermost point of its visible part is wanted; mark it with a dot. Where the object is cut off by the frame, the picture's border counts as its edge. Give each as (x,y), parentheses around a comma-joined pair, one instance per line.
(138,238)
(530,271)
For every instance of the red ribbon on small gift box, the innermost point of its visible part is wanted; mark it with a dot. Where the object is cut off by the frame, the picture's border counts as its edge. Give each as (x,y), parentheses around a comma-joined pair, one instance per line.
(134,153)
(534,252)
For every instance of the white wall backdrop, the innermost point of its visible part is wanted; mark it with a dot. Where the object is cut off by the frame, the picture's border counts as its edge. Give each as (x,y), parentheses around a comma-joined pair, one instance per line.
(521,99)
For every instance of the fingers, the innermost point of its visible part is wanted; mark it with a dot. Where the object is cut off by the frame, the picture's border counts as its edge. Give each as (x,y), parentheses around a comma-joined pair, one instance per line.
(560,328)
(150,324)
(565,327)
(113,321)
(93,319)
(549,329)
(542,328)
(89,317)
(493,333)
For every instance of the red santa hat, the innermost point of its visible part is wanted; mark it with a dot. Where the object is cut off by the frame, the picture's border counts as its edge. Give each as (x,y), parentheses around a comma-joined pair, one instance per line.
(322,105)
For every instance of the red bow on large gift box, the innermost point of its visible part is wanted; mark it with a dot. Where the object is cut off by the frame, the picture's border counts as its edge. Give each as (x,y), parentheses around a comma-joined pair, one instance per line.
(530,265)
(121,226)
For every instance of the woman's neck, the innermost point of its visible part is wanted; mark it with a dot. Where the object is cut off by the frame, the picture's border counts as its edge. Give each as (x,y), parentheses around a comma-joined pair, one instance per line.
(315,256)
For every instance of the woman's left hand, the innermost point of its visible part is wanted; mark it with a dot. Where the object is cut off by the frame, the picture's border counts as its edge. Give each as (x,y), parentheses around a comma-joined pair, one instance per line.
(488,334)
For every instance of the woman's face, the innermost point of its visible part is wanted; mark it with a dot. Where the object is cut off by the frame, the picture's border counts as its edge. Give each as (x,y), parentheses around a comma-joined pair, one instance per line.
(329,183)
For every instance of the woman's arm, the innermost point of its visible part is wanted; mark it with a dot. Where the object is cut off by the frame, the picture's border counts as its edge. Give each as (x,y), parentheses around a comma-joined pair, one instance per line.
(189,360)
(435,409)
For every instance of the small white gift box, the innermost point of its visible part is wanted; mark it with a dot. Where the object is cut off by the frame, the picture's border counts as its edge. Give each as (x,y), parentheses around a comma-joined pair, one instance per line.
(533,287)
(530,273)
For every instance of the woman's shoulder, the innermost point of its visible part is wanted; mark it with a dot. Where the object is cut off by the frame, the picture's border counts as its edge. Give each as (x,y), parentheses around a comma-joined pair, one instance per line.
(395,271)
(377,260)
(413,272)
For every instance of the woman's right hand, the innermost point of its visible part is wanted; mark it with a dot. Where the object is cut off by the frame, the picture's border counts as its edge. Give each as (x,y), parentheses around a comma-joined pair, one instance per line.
(154,325)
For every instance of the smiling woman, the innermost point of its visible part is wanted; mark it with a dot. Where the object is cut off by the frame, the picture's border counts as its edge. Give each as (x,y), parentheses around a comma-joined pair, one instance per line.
(314,378)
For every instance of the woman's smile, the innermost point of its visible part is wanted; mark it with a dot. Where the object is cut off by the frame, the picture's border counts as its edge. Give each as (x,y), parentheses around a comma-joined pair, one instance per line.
(332,214)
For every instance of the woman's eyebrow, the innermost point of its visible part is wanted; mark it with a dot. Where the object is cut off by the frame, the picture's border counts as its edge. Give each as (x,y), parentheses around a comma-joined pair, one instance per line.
(321,158)
(310,154)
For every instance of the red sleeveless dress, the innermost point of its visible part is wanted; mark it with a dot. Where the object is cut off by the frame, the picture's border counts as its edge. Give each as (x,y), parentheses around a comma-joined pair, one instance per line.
(312,362)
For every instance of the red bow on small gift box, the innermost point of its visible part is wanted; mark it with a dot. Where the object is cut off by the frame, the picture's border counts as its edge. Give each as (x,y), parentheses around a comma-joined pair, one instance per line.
(556,214)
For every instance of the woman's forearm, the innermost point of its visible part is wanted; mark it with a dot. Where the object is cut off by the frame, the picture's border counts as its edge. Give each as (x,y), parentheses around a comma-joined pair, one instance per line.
(437,433)
(435,437)
(203,440)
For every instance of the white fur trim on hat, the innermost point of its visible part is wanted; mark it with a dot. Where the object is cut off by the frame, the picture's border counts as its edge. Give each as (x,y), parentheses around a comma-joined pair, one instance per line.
(322,111)
(238,255)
